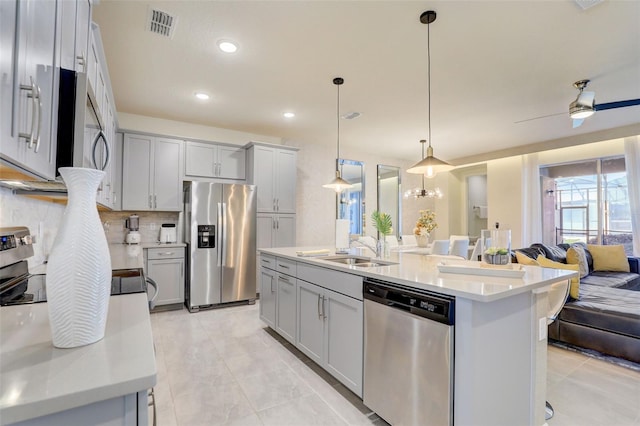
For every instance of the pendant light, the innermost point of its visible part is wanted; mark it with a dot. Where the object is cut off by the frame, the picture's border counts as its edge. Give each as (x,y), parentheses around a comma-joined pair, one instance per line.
(338,184)
(422,192)
(429,165)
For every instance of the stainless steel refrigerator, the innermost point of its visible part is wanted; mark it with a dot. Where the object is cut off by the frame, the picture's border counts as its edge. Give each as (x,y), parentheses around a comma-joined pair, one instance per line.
(220,232)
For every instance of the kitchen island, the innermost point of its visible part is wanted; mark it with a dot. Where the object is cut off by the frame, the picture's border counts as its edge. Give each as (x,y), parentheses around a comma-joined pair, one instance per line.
(499,362)
(102,383)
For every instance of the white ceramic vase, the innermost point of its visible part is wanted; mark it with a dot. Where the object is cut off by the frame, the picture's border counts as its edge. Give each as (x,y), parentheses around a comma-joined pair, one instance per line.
(422,240)
(79,269)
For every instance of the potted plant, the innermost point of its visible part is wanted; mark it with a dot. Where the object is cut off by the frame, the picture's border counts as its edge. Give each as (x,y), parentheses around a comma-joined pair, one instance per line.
(382,222)
(425,224)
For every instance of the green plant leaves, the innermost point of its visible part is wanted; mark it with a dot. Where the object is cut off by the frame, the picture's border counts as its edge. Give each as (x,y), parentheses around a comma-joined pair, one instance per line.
(382,222)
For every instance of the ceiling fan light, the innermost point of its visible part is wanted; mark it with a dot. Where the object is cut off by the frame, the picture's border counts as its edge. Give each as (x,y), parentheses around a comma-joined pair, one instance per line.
(577,110)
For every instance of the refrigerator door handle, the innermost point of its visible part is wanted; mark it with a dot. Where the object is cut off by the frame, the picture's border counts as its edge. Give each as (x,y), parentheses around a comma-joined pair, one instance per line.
(223,247)
(219,235)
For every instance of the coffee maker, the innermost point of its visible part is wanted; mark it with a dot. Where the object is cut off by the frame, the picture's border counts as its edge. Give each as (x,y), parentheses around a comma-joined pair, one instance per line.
(132,223)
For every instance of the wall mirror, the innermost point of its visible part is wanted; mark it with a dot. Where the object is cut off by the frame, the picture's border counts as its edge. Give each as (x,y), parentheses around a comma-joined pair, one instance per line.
(389,195)
(350,202)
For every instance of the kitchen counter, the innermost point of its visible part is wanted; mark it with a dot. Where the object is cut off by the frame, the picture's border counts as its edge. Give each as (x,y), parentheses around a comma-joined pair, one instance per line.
(421,272)
(37,379)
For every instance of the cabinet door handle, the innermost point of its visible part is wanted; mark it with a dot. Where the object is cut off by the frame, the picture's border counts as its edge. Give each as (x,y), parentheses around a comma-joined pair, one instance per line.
(283,278)
(277,204)
(278,223)
(34,100)
(274,204)
(81,60)
(272,290)
(166,253)
(273,223)
(150,201)
(324,313)
(155,202)
(283,266)
(319,312)
(39,105)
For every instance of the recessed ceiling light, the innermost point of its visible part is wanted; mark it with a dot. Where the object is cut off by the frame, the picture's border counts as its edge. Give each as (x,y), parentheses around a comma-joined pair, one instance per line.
(227,46)
(288,114)
(202,96)
(351,115)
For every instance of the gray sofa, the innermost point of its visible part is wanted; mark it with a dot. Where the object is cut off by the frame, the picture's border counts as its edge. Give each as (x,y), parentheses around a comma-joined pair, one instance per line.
(606,318)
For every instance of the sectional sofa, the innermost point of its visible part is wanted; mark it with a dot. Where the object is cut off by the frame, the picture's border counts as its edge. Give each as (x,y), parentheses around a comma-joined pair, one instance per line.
(606,317)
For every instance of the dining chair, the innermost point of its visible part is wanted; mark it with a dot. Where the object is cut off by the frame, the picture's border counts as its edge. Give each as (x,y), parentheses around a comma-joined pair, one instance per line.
(459,247)
(557,297)
(440,247)
(409,240)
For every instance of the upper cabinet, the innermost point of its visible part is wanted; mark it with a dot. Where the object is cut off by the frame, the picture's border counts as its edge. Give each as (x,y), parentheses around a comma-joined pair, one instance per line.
(151,173)
(28,85)
(214,161)
(74,34)
(273,170)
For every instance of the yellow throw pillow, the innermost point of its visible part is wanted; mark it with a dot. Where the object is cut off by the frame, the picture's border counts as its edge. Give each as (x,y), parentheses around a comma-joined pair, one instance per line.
(574,290)
(609,258)
(577,256)
(523,259)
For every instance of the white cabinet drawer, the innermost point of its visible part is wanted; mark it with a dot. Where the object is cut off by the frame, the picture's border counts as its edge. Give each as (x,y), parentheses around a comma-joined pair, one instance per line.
(165,253)
(267,261)
(286,266)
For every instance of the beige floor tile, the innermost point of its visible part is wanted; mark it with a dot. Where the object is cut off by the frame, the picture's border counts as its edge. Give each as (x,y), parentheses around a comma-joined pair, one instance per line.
(273,388)
(307,410)
(214,405)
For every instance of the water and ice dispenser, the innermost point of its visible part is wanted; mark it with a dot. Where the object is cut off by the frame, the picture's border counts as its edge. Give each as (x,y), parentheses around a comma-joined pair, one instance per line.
(206,236)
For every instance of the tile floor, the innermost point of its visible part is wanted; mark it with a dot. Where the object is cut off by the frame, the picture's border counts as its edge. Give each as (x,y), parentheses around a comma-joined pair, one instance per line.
(225,367)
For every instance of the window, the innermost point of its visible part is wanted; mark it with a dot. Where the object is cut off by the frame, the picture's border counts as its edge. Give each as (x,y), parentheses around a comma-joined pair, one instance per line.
(587,201)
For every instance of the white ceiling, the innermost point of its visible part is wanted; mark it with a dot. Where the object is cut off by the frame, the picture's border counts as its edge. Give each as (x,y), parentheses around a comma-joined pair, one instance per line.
(493,63)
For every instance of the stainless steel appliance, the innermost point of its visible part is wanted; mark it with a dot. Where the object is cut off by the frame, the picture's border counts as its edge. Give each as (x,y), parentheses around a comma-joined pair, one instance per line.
(220,232)
(132,223)
(18,286)
(408,354)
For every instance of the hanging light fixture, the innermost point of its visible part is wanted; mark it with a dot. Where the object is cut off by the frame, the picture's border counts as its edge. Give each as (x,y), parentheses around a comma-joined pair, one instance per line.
(338,184)
(422,192)
(429,165)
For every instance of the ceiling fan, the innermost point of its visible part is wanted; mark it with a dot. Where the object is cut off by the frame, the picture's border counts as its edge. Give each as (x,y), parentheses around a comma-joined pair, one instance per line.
(584,106)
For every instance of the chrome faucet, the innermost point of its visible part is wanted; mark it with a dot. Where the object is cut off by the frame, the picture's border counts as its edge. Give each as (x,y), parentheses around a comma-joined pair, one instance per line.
(377,249)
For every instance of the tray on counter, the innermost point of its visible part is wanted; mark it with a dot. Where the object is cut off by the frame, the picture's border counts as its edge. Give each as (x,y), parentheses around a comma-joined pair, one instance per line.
(511,271)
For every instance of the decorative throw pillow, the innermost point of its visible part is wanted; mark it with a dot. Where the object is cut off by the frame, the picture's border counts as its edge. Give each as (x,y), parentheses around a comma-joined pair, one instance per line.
(577,256)
(574,290)
(523,259)
(609,258)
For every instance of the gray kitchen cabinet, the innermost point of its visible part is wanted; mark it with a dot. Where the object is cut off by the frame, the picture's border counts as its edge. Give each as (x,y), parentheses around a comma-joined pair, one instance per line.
(275,230)
(330,332)
(268,291)
(286,299)
(151,173)
(28,87)
(214,161)
(166,267)
(273,170)
(74,37)
(127,410)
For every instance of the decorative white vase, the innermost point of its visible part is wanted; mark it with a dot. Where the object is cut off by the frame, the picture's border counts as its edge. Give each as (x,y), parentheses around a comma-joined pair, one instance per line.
(422,240)
(79,269)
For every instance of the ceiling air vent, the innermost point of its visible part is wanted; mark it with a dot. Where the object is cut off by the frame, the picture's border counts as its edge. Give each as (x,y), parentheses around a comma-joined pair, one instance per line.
(160,22)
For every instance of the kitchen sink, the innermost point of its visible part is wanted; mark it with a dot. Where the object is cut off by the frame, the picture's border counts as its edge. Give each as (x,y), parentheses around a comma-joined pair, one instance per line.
(362,262)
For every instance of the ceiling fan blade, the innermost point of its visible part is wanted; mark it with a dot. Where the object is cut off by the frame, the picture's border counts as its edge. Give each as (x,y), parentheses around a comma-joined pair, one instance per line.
(537,118)
(586,98)
(577,122)
(618,104)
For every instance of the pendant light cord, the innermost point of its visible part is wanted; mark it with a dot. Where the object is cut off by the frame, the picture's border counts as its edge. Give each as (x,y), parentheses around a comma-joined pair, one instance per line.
(429,81)
(338,121)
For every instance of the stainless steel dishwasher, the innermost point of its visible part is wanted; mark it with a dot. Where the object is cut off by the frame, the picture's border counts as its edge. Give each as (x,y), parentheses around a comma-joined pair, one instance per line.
(408,354)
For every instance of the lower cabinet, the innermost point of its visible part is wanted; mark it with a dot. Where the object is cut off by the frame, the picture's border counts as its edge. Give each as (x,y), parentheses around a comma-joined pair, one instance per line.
(268,296)
(166,267)
(330,332)
(127,410)
(286,308)
(324,324)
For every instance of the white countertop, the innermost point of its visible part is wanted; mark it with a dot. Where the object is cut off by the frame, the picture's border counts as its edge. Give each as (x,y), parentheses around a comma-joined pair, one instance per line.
(37,379)
(421,272)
